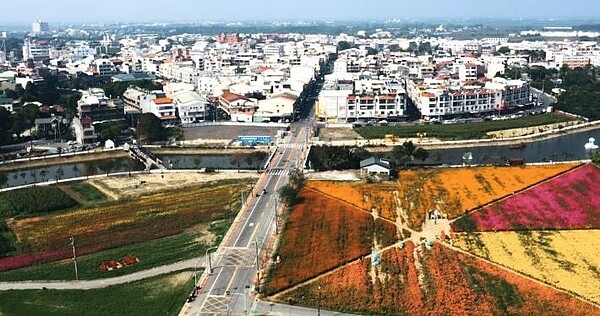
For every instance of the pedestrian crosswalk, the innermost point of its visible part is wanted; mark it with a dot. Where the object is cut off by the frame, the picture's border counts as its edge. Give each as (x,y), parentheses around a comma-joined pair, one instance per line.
(292,146)
(278,172)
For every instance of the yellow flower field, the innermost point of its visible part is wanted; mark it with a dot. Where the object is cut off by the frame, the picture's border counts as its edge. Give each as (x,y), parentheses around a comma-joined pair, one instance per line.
(569,260)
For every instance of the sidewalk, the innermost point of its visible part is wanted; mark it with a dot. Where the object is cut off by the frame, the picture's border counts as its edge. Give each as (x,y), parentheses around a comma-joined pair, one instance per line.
(102,283)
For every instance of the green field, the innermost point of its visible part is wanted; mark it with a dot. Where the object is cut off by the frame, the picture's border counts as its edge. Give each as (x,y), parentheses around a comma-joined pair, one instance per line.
(161,295)
(460,131)
(90,193)
(151,254)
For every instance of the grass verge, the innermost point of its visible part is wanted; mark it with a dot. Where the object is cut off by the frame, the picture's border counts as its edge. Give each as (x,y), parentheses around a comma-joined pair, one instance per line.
(161,295)
(460,131)
(90,193)
(151,253)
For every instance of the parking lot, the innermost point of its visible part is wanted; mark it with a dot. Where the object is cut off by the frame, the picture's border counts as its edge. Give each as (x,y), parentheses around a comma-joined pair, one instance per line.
(228,132)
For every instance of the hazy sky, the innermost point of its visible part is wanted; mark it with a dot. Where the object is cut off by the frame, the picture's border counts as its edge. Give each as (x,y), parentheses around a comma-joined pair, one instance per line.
(203,10)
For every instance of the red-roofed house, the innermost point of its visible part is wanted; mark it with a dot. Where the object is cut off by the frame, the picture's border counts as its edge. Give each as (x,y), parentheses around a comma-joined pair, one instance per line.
(164,109)
(278,107)
(240,108)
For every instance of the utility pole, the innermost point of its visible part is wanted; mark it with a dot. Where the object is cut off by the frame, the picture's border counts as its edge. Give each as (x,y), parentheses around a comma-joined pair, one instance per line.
(276,216)
(72,239)
(257,286)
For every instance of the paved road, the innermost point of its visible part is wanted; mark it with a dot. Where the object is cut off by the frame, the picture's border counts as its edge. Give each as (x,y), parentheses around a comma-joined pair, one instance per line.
(238,264)
(101,283)
(268,308)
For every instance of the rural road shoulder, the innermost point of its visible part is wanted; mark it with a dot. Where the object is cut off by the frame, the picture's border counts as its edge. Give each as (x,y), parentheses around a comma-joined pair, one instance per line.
(102,283)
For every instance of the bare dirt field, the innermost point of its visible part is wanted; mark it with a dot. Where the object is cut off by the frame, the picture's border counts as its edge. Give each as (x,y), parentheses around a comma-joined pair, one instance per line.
(118,187)
(333,134)
(228,132)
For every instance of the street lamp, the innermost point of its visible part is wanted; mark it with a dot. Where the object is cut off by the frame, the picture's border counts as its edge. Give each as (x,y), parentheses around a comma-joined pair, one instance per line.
(245,301)
(257,287)
(207,255)
(72,243)
(319,301)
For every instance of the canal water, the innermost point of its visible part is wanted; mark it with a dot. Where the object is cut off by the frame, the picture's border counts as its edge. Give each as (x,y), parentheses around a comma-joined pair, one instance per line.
(96,167)
(566,147)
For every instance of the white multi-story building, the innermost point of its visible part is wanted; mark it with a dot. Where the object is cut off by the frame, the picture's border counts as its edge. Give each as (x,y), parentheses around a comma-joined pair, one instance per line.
(361,101)
(84,130)
(164,109)
(39,27)
(467,72)
(103,67)
(446,98)
(191,108)
(37,50)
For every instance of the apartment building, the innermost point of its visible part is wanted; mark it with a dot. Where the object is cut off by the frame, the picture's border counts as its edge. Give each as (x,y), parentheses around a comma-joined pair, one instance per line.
(103,67)
(37,50)
(84,130)
(467,72)
(450,98)
(94,104)
(362,101)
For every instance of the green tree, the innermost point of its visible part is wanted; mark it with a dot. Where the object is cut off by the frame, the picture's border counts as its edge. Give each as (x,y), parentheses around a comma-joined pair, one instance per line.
(150,129)
(343,45)
(236,159)
(289,192)
(110,130)
(503,50)
(258,157)
(407,153)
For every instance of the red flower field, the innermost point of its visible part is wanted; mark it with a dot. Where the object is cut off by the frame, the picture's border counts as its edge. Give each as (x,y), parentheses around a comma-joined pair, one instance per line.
(569,201)
(323,233)
(434,282)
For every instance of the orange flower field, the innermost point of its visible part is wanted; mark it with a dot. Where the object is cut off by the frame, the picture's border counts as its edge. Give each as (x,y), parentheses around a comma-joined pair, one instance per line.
(125,222)
(433,282)
(323,233)
(380,196)
(454,191)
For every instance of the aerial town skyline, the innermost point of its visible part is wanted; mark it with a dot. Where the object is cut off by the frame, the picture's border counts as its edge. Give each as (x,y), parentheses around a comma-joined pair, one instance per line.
(111,10)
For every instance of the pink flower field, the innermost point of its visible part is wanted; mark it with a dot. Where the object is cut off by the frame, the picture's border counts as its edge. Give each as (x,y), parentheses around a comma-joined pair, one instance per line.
(569,201)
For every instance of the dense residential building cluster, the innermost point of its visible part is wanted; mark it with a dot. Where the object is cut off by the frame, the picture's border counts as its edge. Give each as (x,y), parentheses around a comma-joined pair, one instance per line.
(261,78)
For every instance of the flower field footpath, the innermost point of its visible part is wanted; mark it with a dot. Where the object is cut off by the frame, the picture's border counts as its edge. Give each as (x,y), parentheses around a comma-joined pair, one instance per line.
(451,190)
(437,281)
(567,259)
(569,201)
(323,233)
(455,191)
(122,222)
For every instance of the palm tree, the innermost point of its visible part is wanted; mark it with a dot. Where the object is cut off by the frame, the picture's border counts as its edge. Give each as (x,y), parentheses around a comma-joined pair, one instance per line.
(59,173)
(33,174)
(197,162)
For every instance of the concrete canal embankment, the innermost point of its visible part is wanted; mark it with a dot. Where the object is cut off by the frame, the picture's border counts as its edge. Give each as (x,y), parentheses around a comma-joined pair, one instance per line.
(523,136)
